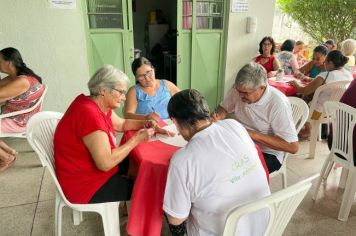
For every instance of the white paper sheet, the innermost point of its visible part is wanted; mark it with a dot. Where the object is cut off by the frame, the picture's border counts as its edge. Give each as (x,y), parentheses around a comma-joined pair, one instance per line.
(177,140)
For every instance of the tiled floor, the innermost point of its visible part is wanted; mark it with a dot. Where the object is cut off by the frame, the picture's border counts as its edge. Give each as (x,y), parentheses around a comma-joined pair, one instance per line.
(27,199)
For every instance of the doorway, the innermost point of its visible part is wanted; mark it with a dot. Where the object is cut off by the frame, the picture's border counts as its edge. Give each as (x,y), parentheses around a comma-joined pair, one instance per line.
(184,39)
(155,35)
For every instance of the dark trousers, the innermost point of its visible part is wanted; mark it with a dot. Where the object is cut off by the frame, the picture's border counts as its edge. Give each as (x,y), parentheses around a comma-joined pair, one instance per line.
(117,188)
(272,162)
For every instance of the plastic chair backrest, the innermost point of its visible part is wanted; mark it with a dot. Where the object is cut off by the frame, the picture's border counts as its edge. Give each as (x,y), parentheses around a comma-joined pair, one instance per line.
(343,119)
(40,131)
(300,112)
(281,206)
(39,103)
(333,91)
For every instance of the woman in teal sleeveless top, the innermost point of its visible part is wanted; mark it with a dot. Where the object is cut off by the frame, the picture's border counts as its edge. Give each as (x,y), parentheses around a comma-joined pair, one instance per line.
(148,99)
(315,66)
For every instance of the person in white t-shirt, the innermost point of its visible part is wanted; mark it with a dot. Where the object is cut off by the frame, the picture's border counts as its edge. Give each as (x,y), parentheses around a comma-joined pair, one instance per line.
(335,71)
(216,171)
(264,111)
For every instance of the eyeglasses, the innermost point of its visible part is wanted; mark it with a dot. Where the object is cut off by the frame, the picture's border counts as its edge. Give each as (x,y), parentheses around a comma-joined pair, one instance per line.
(144,76)
(122,92)
(267,44)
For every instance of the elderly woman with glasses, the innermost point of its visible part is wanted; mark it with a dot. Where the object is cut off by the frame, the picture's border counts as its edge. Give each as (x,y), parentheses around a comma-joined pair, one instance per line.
(85,150)
(148,99)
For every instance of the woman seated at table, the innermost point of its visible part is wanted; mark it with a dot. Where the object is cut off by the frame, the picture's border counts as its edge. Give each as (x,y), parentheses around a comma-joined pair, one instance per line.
(335,71)
(310,70)
(85,151)
(287,59)
(148,99)
(18,91)
(267,59)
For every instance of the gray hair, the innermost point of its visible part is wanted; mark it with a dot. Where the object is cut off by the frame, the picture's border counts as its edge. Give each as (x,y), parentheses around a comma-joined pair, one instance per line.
(251,75)
(348,47)
(107,76)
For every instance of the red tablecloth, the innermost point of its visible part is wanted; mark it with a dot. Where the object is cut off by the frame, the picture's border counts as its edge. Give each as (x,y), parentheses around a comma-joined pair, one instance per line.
(145,217)
(284,87)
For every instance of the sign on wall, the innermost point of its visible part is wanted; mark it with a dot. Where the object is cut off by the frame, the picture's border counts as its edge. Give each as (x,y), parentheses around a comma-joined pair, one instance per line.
(63,4)
(239,6)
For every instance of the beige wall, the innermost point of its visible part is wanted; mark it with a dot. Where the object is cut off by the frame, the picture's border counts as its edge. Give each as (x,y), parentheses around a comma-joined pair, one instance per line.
(241,46)
(52,43)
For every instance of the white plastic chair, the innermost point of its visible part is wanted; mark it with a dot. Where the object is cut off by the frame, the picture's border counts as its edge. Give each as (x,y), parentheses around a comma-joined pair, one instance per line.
(281,206)
(335,91)
(40,131)
(7,115)
(343,119)
(300,113)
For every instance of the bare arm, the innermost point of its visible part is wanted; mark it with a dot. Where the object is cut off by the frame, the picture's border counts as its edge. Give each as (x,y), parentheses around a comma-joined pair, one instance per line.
(13,88)
(306,68)
(106,158)
(219,114)
(175,221)
(131,106)
(276,64)
(310,88)
(122,125)
(274,142)
(173,89)
(127,124)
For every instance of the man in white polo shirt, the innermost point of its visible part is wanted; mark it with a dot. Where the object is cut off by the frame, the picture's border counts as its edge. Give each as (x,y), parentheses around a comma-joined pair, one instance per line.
(264,111)
(216,171)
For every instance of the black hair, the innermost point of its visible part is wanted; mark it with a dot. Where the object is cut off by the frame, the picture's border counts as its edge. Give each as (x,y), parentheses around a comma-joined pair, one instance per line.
(138,62)
(337,58)
(330,42)
(188,107)
(288,45)
(13,55)
(321,49)
(272,42)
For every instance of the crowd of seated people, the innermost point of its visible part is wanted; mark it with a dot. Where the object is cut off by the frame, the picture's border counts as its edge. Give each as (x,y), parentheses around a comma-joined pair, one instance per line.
(86,149)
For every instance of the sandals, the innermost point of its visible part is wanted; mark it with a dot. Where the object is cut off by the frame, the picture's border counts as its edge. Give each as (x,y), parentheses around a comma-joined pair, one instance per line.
(6,164)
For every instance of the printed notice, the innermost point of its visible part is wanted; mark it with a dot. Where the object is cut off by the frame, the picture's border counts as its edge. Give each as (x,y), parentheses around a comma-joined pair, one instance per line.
(63,4)
(239,6)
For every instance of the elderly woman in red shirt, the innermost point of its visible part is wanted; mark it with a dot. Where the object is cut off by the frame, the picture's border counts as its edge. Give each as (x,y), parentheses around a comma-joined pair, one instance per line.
(85,150)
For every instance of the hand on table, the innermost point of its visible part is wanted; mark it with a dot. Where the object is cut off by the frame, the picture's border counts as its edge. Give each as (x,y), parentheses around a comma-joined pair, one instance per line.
(294,83)
(143,135)
(153,116)
(271,74)
(306,79)
(159,130)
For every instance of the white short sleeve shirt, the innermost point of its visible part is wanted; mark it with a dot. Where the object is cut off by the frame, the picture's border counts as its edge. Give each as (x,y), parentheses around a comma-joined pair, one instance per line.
(331,77)
(271,115)
(217,170)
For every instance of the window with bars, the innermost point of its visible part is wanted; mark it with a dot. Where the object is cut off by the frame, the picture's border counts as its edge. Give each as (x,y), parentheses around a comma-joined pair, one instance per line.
(105,14)
(209,14)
